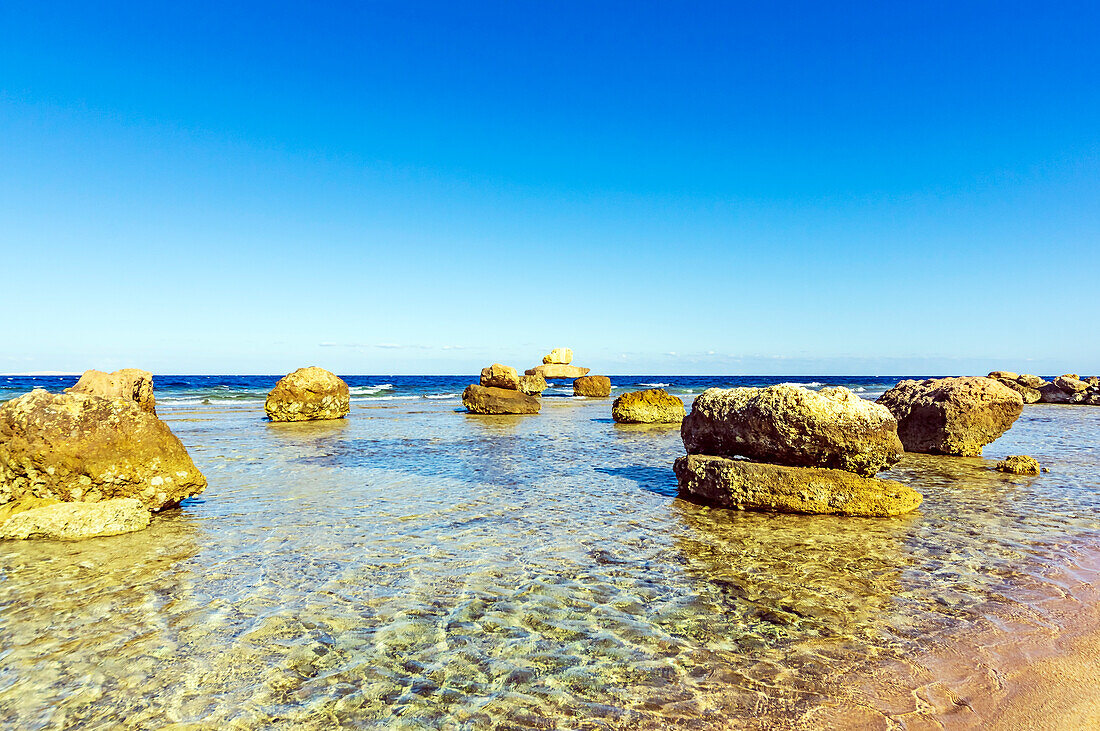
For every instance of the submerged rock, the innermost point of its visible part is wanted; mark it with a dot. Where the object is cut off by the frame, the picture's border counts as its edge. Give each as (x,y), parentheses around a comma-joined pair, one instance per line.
(652,406)
(500,376)
(74,447)
(559,356)
(756,486)
(1019,464)
(593,386)
(75,521)
(791,425)
(532,385)
(551,371)
(490,400)
(132,384)
(308,394)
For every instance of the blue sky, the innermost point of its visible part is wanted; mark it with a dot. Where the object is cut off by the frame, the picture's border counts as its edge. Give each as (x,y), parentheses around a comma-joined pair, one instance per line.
(667,188)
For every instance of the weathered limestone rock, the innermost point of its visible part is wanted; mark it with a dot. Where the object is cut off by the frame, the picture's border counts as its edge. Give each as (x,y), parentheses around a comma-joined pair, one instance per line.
(74,447)
(532,385)
(129,383)
(1070,384)
(489,400)
(1029,395)
(652,406)
(1031,381)
(1019,464)
(593,386)
(554,370)
(308,394)
(74,521)
(1051,394)
(952,415)
(757,486)
(794,426)
(500,376)
(558,356)
(1004,376)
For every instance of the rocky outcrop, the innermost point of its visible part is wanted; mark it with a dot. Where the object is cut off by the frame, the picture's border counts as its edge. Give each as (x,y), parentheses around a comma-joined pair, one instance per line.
(74,447)
(1071,384)
(744,485)
(952,415)
(652,406)
(1019,464)
(500,376)
(1027,393)
(592,386)
(308,394)
(74,521)
(132,384)
(532,385)
(1051,394)
(1031,381)
(1004,376)
(1068,388)
(793,426)
(489,400)
(558,356)
(553,370)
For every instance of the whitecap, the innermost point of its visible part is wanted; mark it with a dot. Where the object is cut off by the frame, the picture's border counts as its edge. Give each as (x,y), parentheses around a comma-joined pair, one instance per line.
(656,385)
(442,395)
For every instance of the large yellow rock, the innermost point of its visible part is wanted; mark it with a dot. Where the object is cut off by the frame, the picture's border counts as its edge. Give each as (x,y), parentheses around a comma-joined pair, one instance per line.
(794,426)
(558,356)
(592,386)
(129,383)
(308,394)
(652,406)
(76,521)
(553,370)
(489,400)
(777,488)
(74,447)
(500,376)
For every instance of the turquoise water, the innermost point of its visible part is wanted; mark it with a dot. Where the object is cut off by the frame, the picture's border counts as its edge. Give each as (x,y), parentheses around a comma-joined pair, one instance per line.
(414,567)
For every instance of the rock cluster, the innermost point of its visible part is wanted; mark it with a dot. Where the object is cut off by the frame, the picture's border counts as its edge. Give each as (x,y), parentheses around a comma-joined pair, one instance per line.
(810,452)
(80,448)
(652,406)
(956,415)
(1068,388)
(1019,464)
(556,364)
(308,394)
(503,391)
(133,384)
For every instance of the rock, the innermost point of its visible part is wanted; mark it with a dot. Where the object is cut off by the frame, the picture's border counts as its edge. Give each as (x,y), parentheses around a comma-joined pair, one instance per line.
(1019,464)
(554,370)
(500,376)
(952,415)
(594,386)
(532,385)
(490,400)
(1031,381)
(1029,395)
(26,502)
(1070,384)
(1093,398)
(791,425)
(132,384)
(558,356)
(74,447)
(652,406)
(1004,376)
(1051,394)
(74,521)
(308,394)
(1093,381)
(757,486)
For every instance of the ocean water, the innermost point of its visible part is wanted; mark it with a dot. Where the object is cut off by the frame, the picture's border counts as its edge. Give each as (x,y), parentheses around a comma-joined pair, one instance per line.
(414,566)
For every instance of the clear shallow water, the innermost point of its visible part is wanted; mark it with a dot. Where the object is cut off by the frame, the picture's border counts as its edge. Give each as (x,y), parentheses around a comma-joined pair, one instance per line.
(417,567)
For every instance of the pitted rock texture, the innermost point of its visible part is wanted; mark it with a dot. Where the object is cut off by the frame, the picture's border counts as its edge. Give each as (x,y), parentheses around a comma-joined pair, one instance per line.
(308,394)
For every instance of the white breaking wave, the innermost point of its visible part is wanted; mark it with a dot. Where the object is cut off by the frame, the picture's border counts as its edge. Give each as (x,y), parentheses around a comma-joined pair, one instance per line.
(443,395)
(370,390)
(811,384)
(656,385)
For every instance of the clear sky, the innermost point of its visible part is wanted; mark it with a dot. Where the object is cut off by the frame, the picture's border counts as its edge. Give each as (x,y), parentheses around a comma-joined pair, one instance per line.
(404,187)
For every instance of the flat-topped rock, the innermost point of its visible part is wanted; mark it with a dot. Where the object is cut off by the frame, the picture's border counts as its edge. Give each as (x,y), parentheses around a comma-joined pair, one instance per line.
(952,415)
(500,376)
(550,371)
(1004,375)
(490,400)
(592,386)
(76,521)
(75,447)
(558,356)
(308,394)
(652,406)
(744,485)
(132,384)
(795,426)
(532,385)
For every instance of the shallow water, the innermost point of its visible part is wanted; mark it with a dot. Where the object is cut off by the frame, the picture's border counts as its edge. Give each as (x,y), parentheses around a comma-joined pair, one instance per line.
(417,567)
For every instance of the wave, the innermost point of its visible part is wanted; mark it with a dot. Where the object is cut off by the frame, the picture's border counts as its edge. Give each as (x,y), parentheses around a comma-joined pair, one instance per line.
(370,390)
(655,385)
(811,384)
(442,395)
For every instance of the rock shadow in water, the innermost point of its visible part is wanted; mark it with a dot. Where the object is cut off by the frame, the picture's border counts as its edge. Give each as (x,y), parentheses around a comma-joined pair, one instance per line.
(660,480)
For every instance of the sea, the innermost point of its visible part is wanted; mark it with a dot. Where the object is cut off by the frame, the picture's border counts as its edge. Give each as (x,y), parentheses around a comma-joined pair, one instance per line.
(414,566)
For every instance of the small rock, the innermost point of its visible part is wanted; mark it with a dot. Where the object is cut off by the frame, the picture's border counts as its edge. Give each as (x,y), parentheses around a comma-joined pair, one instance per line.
(532,385)
(1031,381)
(652,406)
(1070,384)
(558,356)
(131,384)
(592,386)
(500,376)
(1028,394)
(1019,464)
(308,394)
(75,521)
(1004,375)
(490,400)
